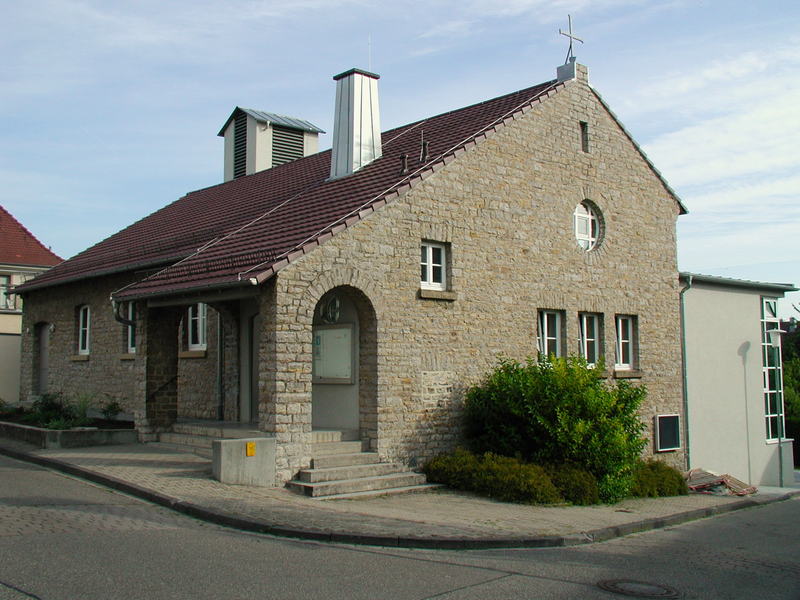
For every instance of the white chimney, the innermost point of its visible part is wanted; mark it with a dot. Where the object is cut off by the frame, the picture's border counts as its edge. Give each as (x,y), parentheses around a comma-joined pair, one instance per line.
(356,124)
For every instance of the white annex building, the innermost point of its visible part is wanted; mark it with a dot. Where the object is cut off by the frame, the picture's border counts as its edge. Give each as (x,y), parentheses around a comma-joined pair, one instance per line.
(734,379)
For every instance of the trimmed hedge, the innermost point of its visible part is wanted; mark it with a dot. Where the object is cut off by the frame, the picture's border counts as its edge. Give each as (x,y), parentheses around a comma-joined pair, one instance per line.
(655,479)
(506,479)
(574,484)
(512,480)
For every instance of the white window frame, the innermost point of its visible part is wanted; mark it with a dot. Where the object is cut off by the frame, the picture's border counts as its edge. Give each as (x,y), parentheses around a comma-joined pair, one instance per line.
(772,370)
(429,266)
(586,215)
(84,329)
(626,345)
(130,332)
(588,341)
(196,333)
(6,298)
(550,332)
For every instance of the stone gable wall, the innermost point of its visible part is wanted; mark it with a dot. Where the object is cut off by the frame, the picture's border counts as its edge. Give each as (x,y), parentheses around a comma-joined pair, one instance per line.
(505,209)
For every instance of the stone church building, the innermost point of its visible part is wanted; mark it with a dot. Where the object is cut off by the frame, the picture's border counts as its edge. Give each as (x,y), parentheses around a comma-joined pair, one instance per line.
(363,289)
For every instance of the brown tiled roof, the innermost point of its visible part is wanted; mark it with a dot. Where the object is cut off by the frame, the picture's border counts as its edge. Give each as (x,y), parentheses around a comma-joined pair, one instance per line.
(18,246)
(249,228)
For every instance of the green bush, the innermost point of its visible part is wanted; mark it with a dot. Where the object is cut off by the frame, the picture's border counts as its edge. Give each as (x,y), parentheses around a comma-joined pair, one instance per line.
(53,412)
(81,405)
(49,408)
(506,479)
(559,410)
(111,410)
(655,479)
(574,484)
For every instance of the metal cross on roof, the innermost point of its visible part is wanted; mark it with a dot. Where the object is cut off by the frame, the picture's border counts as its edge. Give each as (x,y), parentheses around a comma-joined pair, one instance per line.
(571,37)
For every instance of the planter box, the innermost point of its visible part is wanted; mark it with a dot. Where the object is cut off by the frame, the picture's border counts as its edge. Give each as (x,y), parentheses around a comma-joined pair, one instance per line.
(68,438)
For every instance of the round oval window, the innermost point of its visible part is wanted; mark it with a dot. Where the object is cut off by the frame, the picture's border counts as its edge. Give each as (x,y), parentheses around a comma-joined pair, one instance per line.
(587,225)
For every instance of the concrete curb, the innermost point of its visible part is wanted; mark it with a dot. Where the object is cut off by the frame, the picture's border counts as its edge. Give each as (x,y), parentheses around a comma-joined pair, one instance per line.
(390,541)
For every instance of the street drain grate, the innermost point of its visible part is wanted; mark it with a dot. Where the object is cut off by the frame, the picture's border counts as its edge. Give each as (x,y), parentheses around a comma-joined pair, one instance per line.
(638,589)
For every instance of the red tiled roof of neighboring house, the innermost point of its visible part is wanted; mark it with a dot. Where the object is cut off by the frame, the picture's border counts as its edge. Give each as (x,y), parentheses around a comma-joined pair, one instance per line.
(247,229)
(18,246)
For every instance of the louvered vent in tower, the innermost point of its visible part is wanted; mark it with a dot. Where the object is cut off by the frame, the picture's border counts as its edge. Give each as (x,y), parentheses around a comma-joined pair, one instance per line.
(240,145)
(287,145)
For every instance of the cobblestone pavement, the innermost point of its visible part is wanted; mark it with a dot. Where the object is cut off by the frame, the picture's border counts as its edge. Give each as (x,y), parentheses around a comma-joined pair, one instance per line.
(438,515)
(66,505)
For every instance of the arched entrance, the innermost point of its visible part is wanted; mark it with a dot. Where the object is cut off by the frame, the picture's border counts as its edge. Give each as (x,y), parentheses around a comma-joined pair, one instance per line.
(42,370)
(344,366)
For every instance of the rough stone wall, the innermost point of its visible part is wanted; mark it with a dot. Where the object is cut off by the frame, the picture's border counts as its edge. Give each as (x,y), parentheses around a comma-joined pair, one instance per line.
(198,372)
(109,372)
(505,210)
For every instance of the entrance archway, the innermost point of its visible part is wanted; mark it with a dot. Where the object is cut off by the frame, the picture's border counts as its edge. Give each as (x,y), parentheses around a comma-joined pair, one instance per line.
(344,363)
(42,370)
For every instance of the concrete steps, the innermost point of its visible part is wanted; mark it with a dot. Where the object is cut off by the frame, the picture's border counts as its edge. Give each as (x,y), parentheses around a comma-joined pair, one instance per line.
(342,468)
(381,483)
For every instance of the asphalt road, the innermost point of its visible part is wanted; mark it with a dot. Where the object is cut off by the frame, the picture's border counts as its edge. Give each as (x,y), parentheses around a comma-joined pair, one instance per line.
(63,539)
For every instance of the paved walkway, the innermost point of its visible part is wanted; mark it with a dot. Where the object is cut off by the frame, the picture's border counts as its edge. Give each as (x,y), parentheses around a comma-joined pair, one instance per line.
(436,519)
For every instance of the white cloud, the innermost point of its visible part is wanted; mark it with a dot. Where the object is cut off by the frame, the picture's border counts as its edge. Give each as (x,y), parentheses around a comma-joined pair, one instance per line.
(459,28)
(757,140)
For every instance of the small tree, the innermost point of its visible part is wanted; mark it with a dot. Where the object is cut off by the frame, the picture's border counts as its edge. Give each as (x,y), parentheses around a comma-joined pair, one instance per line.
(791,384)
(559,410)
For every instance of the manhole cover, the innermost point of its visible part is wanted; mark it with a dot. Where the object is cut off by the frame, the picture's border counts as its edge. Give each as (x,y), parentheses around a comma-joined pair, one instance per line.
(638,589)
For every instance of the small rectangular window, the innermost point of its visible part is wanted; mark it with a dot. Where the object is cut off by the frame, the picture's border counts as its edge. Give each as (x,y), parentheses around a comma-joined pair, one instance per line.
(433,266)
(84,317)
(130,332)
(668,433)
(585,136)
(626,343)
(6,299)
(550,332)
(197,326)
(590,336)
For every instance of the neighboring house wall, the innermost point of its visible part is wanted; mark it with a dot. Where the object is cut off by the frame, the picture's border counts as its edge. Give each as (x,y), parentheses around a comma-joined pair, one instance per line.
(727,429)
(505,212)
(11,328)
(10,340)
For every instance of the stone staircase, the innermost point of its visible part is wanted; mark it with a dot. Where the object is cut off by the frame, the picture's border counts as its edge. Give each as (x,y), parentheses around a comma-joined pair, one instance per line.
(340,467)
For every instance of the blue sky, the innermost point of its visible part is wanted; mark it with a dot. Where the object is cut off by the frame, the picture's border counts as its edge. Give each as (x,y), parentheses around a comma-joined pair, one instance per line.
(109,109)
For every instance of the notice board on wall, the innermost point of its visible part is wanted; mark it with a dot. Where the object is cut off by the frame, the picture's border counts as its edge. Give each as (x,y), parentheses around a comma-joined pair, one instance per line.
(333,354)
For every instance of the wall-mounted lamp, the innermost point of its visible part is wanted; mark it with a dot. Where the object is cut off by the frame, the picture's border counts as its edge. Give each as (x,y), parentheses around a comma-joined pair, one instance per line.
(775,337)
(52,327)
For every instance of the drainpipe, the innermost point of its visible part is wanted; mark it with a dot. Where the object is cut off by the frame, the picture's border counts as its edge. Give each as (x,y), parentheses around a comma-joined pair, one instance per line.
(684,371)
(122,319)
(220,368)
